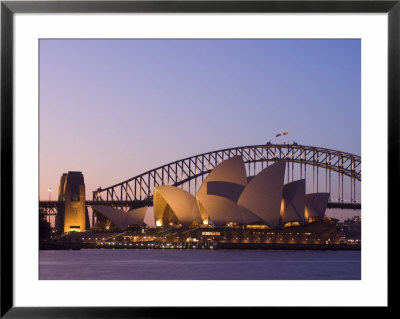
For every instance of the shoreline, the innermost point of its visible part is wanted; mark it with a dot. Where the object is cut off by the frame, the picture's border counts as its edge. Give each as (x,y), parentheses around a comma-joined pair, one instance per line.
(214,246)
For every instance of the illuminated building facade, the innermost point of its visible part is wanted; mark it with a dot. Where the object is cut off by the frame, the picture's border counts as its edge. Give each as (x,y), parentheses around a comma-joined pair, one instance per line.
(229,207)
(227,195)
(73,215)
(241,209)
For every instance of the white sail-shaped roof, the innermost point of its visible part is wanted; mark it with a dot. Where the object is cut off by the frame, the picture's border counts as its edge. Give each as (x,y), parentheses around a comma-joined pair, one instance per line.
(136,216)
(262,196)
(120,218)
(182,203)
(115,215)
(231,170)
(215,208)
(316,204)
(149,217)
(227,190)
(229,175)
(293,201)
(242,215)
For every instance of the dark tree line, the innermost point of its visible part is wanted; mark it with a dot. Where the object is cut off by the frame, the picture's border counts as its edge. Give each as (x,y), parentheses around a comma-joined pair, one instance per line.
(44,226)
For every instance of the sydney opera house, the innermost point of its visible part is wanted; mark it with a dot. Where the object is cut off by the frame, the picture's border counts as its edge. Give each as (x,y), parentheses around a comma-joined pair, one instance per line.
(232,207)
(228,196)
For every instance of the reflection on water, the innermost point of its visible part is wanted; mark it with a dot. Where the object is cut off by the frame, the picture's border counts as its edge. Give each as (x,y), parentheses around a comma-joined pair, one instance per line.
(199,264)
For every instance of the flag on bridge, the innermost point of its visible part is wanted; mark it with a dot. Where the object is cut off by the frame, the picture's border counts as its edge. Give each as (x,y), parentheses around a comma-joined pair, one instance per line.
(279,134)
(286,133)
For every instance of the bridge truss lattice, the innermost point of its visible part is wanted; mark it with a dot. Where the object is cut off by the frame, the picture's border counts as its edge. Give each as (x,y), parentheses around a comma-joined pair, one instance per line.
(328,170)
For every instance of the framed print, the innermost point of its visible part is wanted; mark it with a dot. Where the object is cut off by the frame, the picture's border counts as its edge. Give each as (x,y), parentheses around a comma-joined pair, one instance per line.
(180,153)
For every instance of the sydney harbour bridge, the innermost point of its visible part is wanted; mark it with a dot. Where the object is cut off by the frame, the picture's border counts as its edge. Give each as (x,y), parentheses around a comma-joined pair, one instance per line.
(325,170)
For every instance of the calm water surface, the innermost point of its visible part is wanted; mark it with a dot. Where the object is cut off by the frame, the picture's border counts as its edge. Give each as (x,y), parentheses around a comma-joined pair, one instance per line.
(171,264)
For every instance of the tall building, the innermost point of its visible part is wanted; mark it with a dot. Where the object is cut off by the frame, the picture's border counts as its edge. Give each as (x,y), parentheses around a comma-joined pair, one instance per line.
(73,215)
(61,205)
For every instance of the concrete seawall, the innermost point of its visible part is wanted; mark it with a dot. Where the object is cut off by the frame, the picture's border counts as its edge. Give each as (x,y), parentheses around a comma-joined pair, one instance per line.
(287,246)
(272,246)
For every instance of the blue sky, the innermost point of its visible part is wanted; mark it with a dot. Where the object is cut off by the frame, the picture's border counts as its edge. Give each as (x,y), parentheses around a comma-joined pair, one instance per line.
(116,108)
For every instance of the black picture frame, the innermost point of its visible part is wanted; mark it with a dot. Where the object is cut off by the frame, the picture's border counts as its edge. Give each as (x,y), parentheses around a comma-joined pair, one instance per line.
(9,8)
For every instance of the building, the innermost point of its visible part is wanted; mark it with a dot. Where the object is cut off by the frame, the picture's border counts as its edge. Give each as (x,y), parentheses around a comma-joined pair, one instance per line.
(72,212)
(229,207)
(227,196)
(350,229)
(112,219)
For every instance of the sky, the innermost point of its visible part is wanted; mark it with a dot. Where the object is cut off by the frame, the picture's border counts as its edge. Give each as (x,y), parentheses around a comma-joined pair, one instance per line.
(113,109)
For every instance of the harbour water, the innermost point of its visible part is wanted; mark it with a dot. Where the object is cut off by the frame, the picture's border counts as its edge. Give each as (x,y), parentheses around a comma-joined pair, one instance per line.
(171,264)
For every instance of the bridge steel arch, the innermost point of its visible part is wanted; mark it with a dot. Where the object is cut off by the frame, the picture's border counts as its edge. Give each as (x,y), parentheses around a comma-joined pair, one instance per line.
(183,171)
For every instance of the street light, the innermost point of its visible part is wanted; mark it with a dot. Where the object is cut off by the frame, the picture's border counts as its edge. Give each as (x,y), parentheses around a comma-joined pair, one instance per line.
(49,193)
